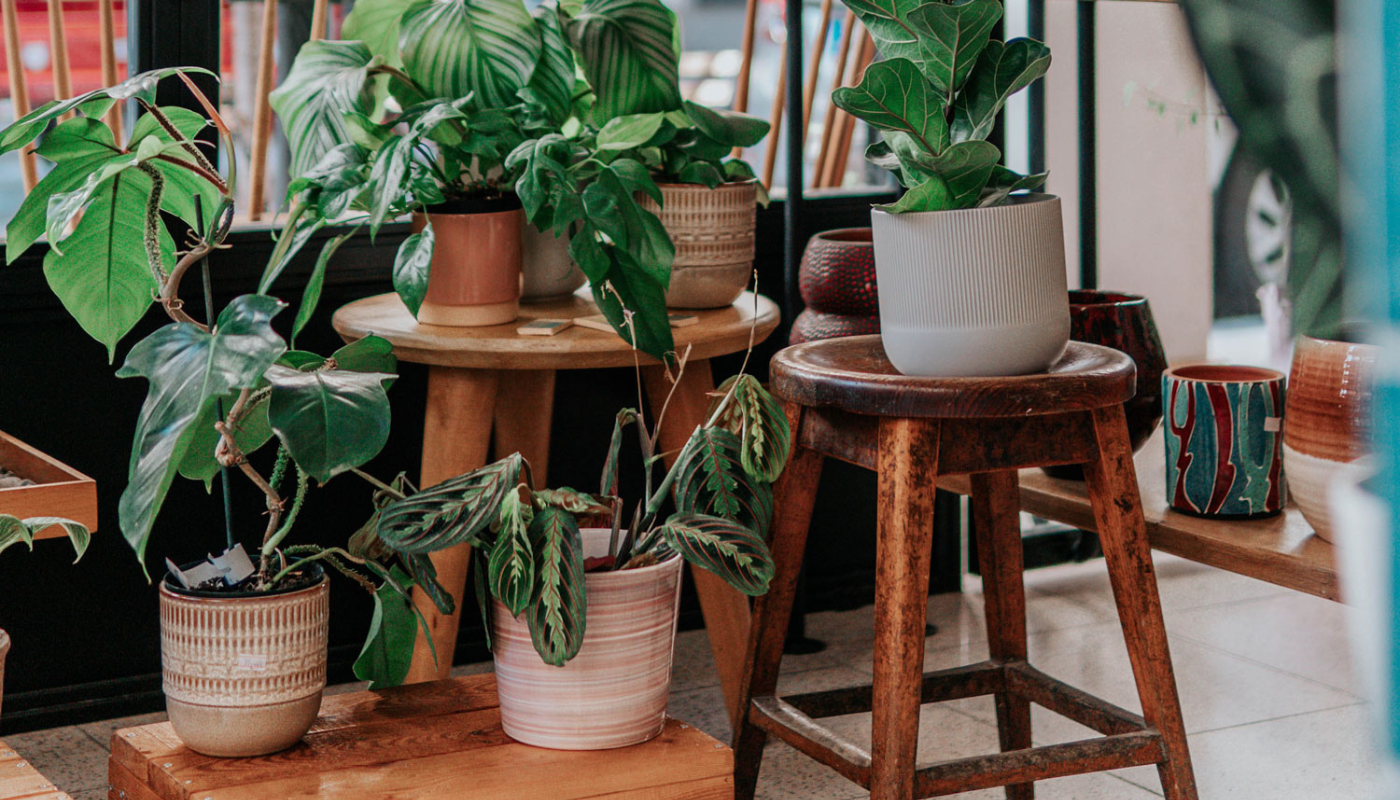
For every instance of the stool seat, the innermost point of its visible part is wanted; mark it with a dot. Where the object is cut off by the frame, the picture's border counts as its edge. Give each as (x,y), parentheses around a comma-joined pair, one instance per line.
(853,374)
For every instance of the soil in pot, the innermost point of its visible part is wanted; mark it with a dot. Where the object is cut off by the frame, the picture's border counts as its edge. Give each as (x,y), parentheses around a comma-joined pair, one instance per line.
(244,671)
(614,692)
(475,275)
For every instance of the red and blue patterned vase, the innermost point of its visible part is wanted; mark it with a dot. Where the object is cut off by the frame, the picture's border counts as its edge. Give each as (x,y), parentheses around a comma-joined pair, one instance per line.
(837,283)
(1224,438)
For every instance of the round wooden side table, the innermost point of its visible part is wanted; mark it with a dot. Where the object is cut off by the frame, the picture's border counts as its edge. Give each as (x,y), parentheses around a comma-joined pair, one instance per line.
(485,378)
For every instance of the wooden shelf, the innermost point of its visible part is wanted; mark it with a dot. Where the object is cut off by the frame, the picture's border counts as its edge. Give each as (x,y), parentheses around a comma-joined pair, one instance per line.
(1282,550)
(59,490)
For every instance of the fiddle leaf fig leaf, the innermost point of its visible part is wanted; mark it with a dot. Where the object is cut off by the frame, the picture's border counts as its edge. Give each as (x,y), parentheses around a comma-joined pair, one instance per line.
(1002,70)
(761,424)
(1004,181)
(931,195)
(629,55)
(558,615)
(455,511)
(187,367)
(711,480)
(487,48)
(511,567)
(328,80)
(412,265)
(893,95)
(950,39)
(722,546)
(331,421)
(889,25)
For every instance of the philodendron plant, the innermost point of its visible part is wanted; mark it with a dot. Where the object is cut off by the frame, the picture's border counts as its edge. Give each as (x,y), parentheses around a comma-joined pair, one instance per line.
(936,96)
(220,389)
(528,552)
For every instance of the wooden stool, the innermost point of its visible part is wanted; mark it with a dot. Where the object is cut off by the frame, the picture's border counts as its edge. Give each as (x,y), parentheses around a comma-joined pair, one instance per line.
(844,400)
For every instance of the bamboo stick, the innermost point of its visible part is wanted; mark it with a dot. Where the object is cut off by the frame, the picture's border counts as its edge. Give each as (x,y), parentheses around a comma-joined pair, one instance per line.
(19,88)
(318,20)
(741,83)
(262,111)
(58,54)
(108,25)
(818,50)
(775,122)
(865,54)
(829,123)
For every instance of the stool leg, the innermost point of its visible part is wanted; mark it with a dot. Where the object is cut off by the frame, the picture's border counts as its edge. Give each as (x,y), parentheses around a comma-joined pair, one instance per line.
(908,464)
(793,497)
(1113,491)
(996,516)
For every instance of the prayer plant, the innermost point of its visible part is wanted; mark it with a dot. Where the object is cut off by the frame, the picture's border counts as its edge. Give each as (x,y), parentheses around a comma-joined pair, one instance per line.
(936,96)
(220,389)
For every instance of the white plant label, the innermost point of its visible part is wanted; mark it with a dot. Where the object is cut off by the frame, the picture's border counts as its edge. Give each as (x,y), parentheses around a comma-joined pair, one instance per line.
(252,662)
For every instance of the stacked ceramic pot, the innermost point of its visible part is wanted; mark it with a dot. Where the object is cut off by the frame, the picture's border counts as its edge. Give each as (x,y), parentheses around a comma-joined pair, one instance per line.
(838,286)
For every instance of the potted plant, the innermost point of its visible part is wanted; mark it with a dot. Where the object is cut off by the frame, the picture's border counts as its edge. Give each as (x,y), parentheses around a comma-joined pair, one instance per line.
(972,276)
(243,639)
(579,597)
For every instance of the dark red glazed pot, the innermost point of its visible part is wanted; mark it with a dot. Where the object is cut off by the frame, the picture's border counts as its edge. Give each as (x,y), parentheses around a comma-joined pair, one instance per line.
(1124,322)
(837,283)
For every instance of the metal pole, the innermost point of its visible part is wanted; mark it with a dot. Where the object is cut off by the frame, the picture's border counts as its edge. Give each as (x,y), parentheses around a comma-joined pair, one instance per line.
(794,239)
(1088,164)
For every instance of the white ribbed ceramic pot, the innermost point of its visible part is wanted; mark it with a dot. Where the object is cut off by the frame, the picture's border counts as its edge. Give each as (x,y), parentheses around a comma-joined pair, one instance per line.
(614,692)
(4,650)
(973,292)
(243,676)
(547,272)
(713,231)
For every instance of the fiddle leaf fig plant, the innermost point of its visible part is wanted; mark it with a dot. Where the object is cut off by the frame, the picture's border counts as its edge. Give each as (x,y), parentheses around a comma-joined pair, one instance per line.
(935,97)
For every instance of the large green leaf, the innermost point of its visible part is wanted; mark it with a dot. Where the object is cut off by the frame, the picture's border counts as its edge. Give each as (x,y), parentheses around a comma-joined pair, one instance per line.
(724,547)
(551,85)
(893,95)
(330,420)
(612,207)
(559,613)
(103,276)
(182,183)
(328,80)
(452,512)
(1002,70)
(370,354)
(388,649)
(511,566)
(628,54)
(711,480)
(950,39)
(760,422)
(376,23)
(889,25)
(186,367)
(252,433)
(732,128)
(28,223)
(931,195)
(627,132)
(1004,181)
(453,48)
(412,265)
(627,287)
(966,167)
(14,530)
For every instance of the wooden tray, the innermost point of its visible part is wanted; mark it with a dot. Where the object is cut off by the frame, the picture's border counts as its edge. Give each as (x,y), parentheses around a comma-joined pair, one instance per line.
(20,781)
(59,490)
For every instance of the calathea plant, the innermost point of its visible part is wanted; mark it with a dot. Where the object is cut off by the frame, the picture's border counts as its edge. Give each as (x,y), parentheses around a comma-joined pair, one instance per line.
(220,389)
(528,552)
(936,96)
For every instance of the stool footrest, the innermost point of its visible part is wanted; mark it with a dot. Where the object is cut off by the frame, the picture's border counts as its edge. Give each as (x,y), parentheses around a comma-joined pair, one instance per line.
(777,718)
(973,680)
(1068,701)
(1040,763)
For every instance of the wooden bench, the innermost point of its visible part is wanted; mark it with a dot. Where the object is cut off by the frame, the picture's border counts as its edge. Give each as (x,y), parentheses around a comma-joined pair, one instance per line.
(440,740)
(20,781)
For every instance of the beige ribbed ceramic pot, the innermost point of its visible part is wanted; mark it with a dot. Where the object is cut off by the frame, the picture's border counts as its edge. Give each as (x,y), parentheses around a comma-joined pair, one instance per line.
(243,676)
(973,292)
(613,693)
(4,650)
(713,231)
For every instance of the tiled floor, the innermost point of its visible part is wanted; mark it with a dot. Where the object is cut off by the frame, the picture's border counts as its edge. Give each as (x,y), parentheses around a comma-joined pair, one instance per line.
(1265,680)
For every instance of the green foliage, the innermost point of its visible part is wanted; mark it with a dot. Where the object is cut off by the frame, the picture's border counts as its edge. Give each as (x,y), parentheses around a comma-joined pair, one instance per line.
(724,547)
(936,96)
(512,565)
(559,612)
(761,424)
(328,80)
(330,420)
(14,530)
(452,512)
(456,48)
(628,53)
(388,649)
(711,480)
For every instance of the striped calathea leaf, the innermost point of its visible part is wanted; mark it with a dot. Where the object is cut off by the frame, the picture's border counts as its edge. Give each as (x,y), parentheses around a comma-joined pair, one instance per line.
(711,480)
(728,549)
(511,568)
(629,55)
(558,614)
(452,512)
(484,47)
(328,80)
(759,421)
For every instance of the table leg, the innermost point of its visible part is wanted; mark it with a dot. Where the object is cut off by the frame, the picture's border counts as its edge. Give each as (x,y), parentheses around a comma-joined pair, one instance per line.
(524,411)
(726,610)
(456,434)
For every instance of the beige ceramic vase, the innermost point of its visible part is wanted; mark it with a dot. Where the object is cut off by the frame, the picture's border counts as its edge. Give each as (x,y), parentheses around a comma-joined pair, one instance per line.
(713,231)
(243,676)
(614,692)
(1325,420)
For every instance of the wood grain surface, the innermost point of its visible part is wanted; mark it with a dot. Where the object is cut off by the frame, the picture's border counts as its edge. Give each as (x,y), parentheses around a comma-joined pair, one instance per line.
(20,781)
(61,491)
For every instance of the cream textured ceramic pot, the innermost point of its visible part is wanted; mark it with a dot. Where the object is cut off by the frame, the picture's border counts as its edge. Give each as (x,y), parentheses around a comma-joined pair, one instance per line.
(1326,420)
(243,676)
(973,292)
(713,231)
(613,693)
(4,650)
(547,272)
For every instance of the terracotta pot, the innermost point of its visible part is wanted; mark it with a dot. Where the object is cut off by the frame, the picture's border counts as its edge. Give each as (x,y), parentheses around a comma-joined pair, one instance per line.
(243,676)
(614,692)
(973,292)
(713,231)
(475,276)
(1327,420)
(4,649)
(838,287)
(1124,322)
(547,272)
(1223,440)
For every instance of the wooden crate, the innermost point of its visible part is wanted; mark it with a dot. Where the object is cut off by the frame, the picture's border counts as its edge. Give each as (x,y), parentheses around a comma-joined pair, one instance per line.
(60,490)
(439,740)
(20,781)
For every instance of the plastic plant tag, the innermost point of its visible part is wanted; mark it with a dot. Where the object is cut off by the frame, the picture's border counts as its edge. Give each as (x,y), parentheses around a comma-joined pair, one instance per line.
(233,565)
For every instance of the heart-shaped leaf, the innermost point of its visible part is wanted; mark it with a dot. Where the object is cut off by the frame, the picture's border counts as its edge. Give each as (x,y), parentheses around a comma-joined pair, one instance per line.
(894,96)
(559,614)
(628,52)
(1002,70)
(486,48)
(452,512)
(724,547)
(330,420)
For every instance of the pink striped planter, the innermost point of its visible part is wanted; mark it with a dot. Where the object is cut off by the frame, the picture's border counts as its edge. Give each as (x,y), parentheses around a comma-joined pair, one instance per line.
(613,693)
